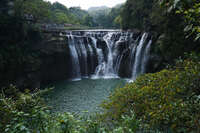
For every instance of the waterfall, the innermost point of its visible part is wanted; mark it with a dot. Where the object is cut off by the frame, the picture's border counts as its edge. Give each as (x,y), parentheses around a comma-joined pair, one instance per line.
(100,69)
(108,54)
(108,66)
(74,57)
(146,56)
(91,55)
(138,57)
(84,58)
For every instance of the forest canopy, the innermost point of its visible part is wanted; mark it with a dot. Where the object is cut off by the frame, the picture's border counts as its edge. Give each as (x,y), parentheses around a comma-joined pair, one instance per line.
(43,11)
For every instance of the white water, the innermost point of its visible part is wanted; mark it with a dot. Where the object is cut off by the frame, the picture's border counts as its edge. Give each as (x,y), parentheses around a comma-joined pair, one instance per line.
(146,56)
(138,57)
(108,59)
(75,61)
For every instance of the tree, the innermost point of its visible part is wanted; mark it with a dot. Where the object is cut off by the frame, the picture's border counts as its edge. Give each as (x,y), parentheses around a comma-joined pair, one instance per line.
(88,20)
(58,6)
(160,18)
(105,17)
(190,10)
(39,9)
(61,17)
(136,14)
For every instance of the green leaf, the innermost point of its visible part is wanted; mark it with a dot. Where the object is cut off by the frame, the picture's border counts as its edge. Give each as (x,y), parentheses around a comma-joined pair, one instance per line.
(188,27)
(197,37)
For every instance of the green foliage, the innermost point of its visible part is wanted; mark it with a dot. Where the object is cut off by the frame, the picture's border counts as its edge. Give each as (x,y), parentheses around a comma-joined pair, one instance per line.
(88,20)
(114,16)
(128,124)
(43,11)
(136,14)
(38,8)
(21,113)
(61,17)
(166,20)
(26,113)
(105,17)
(169,98)
(190,10)
(147,15)
(61,14)
(100,16)
(80,15)
(58,6)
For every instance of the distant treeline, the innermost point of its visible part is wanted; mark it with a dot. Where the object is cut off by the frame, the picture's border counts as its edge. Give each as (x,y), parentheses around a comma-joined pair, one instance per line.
(46,12)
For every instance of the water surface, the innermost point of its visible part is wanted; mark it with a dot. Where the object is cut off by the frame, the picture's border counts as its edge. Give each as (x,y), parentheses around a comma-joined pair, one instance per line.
(81,96)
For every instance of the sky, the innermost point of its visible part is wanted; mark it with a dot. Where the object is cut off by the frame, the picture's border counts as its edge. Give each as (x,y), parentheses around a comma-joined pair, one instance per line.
(85,4)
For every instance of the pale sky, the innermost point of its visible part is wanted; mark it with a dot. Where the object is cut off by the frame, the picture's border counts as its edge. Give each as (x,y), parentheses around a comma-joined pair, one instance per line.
(85,4)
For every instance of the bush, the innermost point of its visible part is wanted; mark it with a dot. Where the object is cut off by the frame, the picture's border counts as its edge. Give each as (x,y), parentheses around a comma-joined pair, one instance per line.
(22,113)
(167,99)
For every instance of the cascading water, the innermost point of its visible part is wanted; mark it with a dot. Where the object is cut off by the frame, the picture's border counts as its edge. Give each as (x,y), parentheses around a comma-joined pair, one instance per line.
(74,57)
(146,56)
(91,54)
(84,55)
(107,67)
(108,54)
(139,57)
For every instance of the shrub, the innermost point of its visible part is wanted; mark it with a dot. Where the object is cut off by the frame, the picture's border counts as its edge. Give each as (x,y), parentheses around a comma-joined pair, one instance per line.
(167,99)
(22,113)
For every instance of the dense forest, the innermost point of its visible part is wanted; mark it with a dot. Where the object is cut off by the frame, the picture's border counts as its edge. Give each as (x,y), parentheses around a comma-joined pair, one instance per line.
(57,13)
(166,100)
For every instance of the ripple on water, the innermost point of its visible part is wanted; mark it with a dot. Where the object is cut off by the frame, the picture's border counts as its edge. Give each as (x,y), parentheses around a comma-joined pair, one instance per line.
(81,96)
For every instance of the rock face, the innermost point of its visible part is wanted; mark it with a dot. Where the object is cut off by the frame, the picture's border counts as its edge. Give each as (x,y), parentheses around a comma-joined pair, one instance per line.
(55,58)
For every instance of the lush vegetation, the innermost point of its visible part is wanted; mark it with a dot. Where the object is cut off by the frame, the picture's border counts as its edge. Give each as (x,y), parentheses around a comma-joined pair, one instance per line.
(190,11)
(26,113)
(57,13)
(45,12)
(167,21)
(166,100)
(105,17)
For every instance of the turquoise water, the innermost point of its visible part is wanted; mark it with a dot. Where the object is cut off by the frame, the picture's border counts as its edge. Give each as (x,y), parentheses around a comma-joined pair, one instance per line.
(82,96)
